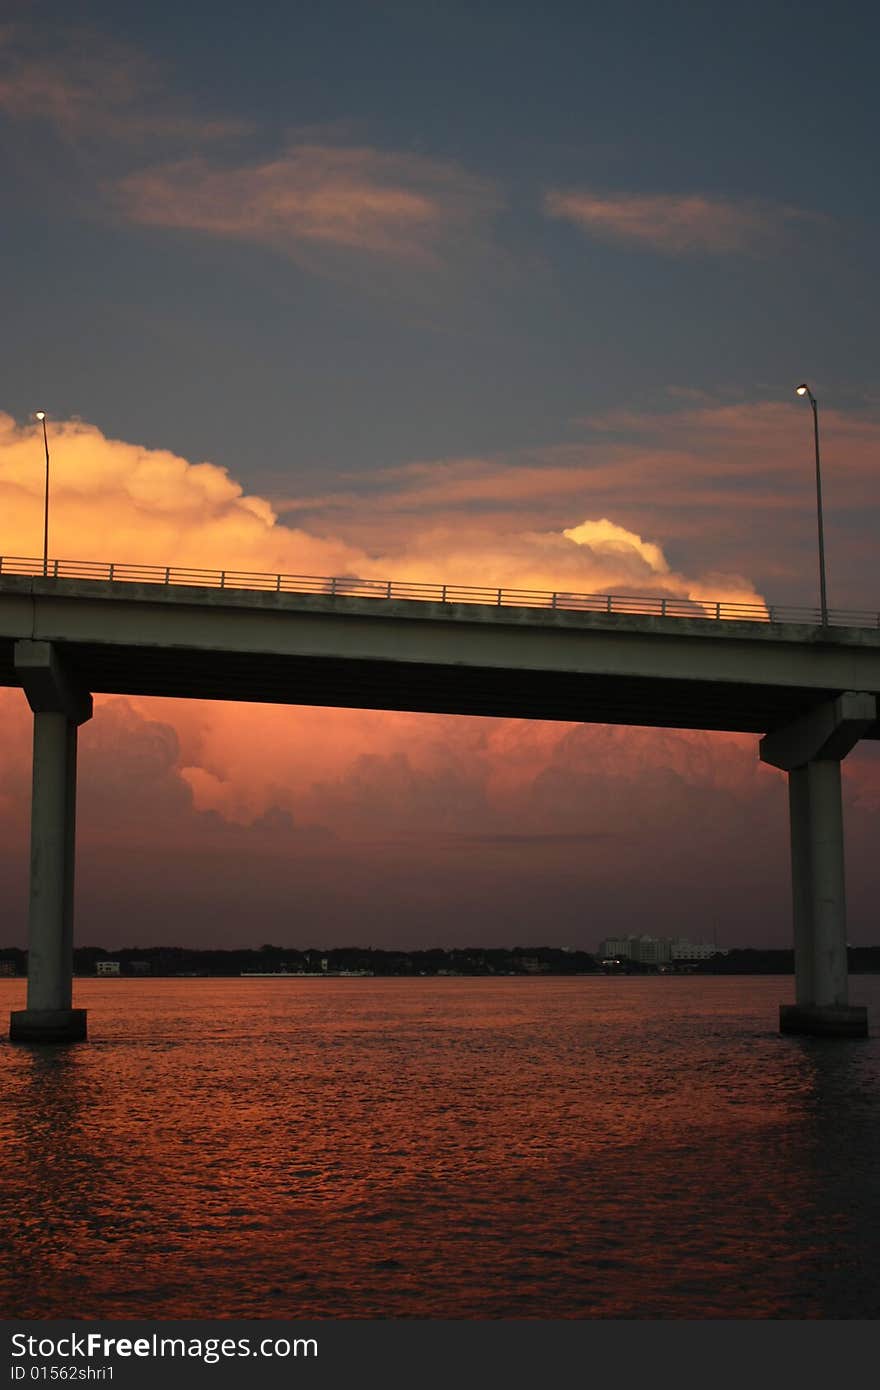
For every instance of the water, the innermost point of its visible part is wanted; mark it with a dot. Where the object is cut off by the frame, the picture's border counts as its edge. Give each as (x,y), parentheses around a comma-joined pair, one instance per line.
(484,1148)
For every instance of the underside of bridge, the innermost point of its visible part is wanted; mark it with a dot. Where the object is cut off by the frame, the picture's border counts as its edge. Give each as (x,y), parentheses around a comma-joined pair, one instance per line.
(432,688)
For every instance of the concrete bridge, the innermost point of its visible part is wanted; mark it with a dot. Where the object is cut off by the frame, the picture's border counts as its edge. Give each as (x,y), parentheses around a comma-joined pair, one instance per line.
(809,691)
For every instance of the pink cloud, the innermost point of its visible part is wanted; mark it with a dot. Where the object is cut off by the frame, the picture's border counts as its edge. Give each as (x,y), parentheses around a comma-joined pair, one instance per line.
(84,84)
(351,199)
(233,824)
(673,223)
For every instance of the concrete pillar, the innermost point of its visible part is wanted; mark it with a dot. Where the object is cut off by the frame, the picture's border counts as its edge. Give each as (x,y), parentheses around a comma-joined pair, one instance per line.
(827,889)
(799,826)
(59,707)
(811,750)
(819,901)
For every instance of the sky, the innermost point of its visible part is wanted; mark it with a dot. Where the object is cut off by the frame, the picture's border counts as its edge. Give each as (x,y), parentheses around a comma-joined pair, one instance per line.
(485,293)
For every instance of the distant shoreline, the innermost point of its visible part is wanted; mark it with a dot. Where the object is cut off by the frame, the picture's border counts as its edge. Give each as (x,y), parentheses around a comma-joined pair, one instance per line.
(279,962)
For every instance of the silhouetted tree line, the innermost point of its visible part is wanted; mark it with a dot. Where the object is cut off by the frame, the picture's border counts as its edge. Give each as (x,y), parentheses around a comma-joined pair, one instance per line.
(182,960)
(862,960)
(518,960)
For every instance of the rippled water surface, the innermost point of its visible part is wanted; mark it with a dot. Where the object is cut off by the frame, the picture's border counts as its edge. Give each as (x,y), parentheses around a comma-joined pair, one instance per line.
(484,1148)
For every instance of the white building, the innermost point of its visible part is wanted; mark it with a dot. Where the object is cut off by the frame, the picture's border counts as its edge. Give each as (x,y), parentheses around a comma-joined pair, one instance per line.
(107,967)
(655,950)
(649,950)
(614,946)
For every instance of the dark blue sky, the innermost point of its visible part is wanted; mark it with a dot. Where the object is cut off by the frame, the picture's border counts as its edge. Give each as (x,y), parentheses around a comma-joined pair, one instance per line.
(232,349)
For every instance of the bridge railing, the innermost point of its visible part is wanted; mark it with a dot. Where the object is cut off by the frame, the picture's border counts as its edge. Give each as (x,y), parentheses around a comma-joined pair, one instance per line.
(353,586)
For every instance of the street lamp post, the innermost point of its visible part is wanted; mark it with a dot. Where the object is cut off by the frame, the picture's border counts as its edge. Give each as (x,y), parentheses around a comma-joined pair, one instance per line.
(804,390)
(41,416)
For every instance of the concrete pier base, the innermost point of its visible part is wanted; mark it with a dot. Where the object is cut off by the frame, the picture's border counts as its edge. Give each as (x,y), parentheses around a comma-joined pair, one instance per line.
(811,750)
(824,1020)
(48,1025)
(59,708)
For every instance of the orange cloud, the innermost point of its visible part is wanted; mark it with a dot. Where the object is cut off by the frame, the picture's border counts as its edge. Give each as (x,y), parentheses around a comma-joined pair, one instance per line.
(153,503)
(354,199)
(605,538)
(160,509)
(672,223)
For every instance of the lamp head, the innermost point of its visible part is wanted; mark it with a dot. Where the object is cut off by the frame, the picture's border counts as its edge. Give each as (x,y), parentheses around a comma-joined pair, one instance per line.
(41,414)
(801,390)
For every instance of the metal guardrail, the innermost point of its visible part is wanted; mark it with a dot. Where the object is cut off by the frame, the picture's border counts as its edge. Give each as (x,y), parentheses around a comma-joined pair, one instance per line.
(352,586)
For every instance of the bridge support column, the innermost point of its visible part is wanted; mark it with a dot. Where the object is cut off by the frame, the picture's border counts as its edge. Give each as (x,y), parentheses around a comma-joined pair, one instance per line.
(811,750)
(59,708)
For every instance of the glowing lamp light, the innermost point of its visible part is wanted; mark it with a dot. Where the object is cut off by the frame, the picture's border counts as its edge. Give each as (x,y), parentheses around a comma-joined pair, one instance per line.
(804,390)
(41,416)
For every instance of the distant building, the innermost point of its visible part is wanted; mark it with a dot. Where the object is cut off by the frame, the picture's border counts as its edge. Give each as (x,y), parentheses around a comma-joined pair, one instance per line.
(107,967)
(656,950)
(614,946)
(646,950)
(7,967)
(692,950)
(650,950)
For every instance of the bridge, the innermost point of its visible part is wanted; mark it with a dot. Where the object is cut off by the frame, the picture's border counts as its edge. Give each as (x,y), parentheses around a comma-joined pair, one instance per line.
(69,629)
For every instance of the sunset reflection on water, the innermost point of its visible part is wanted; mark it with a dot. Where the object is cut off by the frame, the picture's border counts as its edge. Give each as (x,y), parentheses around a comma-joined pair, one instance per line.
(640,1148)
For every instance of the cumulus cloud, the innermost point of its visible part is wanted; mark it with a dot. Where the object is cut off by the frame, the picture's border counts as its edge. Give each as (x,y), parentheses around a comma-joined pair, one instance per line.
(160,509)
(147,505)
(673,223)
(385,204)
(605,538)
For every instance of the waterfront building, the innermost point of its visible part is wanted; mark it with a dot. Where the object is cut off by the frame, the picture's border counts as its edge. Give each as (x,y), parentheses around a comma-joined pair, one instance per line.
(656,950)
(615,946)
(680,949)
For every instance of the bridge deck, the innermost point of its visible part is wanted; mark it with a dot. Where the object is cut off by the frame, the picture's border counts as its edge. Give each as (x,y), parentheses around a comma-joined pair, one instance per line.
(448,658)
